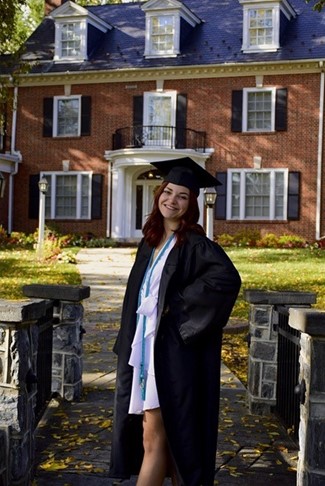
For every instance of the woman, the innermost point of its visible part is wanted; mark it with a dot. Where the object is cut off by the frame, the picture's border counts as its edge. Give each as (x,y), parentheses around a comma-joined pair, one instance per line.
(179,296)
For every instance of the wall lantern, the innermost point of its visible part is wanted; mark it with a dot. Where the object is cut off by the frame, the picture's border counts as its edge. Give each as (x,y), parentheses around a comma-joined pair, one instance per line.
(210,197)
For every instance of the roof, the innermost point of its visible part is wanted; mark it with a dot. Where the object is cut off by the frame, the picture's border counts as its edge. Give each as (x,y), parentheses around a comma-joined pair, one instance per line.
(216,40)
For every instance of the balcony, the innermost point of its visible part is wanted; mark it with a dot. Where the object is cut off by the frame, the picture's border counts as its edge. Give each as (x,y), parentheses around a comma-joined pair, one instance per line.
(145,136)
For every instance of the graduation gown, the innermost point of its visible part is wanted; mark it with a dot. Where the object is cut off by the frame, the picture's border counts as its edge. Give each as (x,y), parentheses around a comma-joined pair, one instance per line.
(198,288)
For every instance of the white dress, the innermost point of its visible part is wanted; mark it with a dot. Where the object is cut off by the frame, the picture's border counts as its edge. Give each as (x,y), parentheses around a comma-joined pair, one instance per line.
(144,391)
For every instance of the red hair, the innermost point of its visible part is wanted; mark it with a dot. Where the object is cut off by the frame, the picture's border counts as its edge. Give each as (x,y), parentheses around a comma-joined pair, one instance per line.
(153,229)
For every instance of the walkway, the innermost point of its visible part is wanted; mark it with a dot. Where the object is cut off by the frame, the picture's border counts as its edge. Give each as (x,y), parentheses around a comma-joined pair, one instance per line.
(73,439)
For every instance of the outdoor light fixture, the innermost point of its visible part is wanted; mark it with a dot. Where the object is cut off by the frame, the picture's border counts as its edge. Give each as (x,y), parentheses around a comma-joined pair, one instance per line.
(2,184)
(43,185)
(210,196)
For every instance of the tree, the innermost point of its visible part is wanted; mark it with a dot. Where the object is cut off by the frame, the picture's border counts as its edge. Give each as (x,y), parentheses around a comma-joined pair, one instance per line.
(318,4)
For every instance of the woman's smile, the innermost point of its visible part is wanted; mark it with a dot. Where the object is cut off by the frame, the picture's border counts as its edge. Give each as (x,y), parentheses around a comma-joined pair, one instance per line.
(174,201)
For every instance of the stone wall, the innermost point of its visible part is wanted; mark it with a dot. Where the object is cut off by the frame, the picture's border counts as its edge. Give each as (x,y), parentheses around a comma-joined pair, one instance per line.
(21,323)
(263,338)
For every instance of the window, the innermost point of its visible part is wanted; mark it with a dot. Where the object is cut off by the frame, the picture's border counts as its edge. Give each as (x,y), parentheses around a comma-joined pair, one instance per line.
(257,194)
(68,195)
(66,116)
(159,118)
(162,35)
(259,110)
(263,22)
(71,40)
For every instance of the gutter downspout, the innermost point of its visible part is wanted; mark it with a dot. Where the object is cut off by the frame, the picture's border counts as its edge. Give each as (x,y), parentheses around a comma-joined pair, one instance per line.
(13,152)
(320,152)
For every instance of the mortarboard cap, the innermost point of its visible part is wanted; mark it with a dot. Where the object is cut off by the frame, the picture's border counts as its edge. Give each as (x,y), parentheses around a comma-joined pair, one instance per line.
(185,172)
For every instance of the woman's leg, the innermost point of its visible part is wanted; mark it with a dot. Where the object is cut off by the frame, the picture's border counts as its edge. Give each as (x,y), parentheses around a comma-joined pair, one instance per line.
(156,457)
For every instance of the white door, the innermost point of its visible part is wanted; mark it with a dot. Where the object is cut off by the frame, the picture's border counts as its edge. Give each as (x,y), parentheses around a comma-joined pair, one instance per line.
(159,117)
(144,196)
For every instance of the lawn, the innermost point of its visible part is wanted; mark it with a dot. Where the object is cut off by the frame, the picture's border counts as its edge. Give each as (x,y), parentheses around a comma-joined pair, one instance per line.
(21,267)
(279,269)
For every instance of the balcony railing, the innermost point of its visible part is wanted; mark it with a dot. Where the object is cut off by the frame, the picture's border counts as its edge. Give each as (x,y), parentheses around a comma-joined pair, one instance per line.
(145,136)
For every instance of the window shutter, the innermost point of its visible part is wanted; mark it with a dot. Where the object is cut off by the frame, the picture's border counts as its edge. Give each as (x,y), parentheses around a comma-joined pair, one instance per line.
(221,201)
(96,196)
(181,112)
(293,210)
(33,202)
(237,111)
(48,117)
(85,115)
(281,110)
(137,110)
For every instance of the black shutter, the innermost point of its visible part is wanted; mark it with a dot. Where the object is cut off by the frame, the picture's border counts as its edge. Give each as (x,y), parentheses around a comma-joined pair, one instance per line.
(137,111)
(48,117)
(221,201)
(293,210)
(281,110)
(33,202)
(96,196)
(85,115)
(237,111)
(181,112)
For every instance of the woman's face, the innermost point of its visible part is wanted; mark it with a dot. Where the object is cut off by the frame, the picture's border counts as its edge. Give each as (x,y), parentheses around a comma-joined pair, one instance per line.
(174,201)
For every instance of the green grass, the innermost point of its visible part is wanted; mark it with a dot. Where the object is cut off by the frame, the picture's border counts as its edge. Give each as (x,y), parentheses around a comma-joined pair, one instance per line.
(21,267)
(268,269)
(279,270)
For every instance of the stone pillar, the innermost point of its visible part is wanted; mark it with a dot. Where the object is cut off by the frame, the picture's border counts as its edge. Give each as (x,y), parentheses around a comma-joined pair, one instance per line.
(262,361)
(311,462)
(67,335)
(18,360)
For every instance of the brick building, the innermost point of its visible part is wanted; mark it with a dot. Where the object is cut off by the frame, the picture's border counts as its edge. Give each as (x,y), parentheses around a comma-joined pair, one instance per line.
(237,85)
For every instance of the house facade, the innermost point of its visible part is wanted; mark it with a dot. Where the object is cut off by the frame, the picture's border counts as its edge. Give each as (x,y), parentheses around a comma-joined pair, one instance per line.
(236,85)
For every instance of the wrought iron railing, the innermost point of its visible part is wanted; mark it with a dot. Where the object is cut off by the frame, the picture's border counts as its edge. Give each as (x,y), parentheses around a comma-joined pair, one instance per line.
(143,136)
(287,398)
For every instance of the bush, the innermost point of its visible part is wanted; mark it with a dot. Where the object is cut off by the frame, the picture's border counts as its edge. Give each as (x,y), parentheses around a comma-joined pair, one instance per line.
(226,240)
(252,238)
(291,241)
(270,240)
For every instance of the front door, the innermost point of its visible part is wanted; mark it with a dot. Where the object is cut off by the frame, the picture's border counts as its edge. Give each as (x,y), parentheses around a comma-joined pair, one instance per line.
(145,187)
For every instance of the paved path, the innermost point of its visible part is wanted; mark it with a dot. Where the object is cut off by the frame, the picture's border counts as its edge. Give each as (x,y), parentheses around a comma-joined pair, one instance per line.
(73,439)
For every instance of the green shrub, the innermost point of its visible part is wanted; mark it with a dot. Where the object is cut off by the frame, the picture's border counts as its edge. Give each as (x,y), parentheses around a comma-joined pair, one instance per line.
(225,239)
(270,240)
(247,237)
(291,241)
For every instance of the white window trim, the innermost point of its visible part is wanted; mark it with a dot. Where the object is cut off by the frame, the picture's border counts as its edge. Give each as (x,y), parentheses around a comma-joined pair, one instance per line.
(149,52)
(275,45)
(79,175)
(56,100)
(58,38)
(242,197)
(245,108)
(152,94)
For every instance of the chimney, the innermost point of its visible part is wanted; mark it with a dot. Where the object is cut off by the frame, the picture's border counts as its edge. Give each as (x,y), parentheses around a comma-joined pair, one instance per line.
(51,5)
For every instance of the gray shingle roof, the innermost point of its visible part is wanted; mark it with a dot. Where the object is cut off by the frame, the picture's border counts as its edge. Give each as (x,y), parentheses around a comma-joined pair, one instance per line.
(217,40)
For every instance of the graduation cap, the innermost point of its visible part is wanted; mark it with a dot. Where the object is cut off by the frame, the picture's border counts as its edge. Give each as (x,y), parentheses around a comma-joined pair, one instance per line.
(185,172)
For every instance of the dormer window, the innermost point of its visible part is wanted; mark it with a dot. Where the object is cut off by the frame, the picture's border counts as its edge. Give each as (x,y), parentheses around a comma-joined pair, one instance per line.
(166,23)
(72,23)
(71,42)
(263,23)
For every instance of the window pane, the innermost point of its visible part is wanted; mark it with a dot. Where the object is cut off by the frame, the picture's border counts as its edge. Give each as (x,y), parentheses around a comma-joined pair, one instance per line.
(259,110)
(84,196)
(257,195)
(162,33)
(70,40)
(279,195)
(68,117)
(260,27)
(66,196)
(235,200)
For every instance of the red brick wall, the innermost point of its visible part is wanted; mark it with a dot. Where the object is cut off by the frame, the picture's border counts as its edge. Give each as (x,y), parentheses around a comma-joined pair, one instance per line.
(209,109)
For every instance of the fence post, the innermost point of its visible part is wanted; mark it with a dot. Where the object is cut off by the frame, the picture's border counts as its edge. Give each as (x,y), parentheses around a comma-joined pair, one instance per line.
(67,335)
(311,462)
(262,360)
(18,364)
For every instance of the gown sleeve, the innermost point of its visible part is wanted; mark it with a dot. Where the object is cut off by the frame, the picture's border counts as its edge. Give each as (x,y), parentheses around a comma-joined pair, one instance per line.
(205,300)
